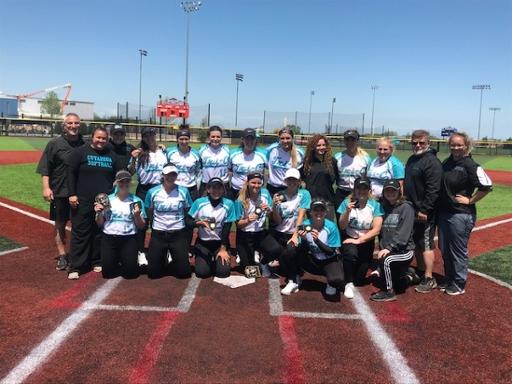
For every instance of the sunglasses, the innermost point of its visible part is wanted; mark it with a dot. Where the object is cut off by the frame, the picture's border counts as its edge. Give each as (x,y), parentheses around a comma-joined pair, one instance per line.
(415,143)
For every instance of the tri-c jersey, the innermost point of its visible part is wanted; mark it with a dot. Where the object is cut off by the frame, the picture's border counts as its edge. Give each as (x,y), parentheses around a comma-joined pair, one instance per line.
(188,164)
(329,235)
(289,210)
(169,209)
(241,164)
(119,217)
(350,168)
(224,212)
(360,220)
(379,172)
(279,161)
(241,212)
(214,162)
(151,172)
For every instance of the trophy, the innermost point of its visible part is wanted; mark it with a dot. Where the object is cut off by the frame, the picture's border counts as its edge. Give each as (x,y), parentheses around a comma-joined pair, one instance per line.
(102,198)
(134,204)
(308,228)
(252,271)
(281,197)
(211,223)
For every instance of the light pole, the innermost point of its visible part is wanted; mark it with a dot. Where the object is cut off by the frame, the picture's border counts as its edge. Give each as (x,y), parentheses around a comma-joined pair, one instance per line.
(481,87)
(238,77)
(374,88)
(312,93)
(493,110)
(332,113)
(142,52)
(188,7)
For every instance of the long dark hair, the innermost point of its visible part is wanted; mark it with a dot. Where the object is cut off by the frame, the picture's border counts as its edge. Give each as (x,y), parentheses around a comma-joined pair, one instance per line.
(143,157)
(310,153)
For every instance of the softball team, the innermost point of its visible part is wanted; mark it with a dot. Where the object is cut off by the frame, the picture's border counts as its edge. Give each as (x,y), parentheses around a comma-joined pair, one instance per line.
(286,225)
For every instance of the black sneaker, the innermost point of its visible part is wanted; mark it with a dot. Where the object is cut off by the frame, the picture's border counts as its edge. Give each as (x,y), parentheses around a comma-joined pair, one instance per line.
(383,296)
(454,290)
(426,285)
(412,277)
(442,287)
(62,263)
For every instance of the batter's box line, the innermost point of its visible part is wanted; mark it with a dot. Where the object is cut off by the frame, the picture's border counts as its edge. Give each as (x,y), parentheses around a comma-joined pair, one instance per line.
(276,307)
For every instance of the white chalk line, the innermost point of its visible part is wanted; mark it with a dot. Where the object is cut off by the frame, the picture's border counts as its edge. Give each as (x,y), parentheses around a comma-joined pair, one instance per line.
(493,279)
(14,250)
(30,214)
(51,343)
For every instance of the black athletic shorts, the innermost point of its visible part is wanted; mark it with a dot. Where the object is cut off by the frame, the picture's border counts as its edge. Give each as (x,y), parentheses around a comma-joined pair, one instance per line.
(423,234)
(60,210)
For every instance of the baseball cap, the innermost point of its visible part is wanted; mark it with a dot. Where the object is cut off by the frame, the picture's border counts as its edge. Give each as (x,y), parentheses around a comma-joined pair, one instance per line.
(148,131)
(249,132)
(393,184)
(351,133)
(254,175)
(169,168)
(362,181)
(293,173)
(215,180)
(318,204)
(183,132)
(117,128)
(123,175)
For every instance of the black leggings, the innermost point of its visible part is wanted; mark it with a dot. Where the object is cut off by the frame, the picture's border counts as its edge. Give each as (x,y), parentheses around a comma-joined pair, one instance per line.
(141,192)
(119,256)
(288,255)
(394,267)
(356,258)
(262,241)
(331,268)
(176,242)
(84,250)
(207,262)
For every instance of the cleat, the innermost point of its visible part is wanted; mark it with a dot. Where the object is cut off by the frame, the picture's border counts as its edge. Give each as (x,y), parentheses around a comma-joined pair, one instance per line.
(383,296)
(73,276)
(62,263)
(97,268)
(349,291)
(426,285)
(291,287)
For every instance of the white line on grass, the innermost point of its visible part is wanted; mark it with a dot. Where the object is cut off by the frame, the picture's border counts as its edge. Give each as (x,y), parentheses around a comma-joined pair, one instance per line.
(30,214)
(493,279)
(396,363)
(13,251)
(50,344)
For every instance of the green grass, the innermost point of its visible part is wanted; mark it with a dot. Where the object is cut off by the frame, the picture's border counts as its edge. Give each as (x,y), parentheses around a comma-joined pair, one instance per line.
(6,244)
(496,203)
(21,183)
(497,264)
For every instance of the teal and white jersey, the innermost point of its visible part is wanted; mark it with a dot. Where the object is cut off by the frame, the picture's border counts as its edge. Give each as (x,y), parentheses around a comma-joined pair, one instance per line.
(329,235)
(379,172)
(289,210)
(169,209)
(279,161)
(214,162)
(151,173)
(350,168)
(242,164)
(188,164)
(360,219)
(259,224)
(119,218)
(224,212)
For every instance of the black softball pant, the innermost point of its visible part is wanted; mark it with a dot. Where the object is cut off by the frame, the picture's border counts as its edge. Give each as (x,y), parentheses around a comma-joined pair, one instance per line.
(331,268)
(356,259)
(395,266)
(207,262)
(119,256)
(288,255)
(175,242)
(249,242)
(84,250)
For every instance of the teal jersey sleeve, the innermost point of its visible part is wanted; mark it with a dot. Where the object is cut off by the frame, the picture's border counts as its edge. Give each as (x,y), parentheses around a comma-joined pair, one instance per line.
(194,209)
(333,234)
(305,199)
(231,210)
(188,198)
(239,210)
(376,208)
(343,206)
(148,202)
(397,167)
(266,195)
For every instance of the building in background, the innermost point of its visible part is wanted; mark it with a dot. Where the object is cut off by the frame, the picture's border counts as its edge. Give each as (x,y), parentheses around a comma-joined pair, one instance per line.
(31,108)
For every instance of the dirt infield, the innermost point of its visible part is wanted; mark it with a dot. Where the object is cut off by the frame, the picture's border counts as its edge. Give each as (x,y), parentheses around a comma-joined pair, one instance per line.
(19,157)
(169,330)
(500,177)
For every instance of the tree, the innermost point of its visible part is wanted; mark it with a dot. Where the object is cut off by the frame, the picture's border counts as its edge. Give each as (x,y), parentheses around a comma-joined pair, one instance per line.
(204,122)
(51,104)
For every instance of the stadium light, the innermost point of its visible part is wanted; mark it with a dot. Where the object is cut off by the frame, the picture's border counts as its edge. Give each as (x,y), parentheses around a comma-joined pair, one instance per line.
(142,52)
(481,87)
(238,77)
(373,88)
(188,7)
(311,94)
(332,113)
(493,110)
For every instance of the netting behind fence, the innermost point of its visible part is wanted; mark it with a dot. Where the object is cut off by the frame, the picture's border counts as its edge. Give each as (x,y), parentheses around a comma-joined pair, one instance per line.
(316,122)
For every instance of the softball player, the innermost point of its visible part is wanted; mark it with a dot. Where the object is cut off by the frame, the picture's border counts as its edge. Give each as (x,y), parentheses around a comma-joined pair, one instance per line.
(214,159)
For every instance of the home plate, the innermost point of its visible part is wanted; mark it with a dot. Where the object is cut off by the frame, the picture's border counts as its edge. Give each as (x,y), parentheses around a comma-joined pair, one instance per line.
(234,281)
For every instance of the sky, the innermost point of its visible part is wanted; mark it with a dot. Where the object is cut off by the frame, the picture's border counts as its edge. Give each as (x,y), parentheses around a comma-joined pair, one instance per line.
(425,56)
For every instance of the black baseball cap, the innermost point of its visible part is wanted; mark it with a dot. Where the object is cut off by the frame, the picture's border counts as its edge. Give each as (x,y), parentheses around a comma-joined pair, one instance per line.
(123,175)
(351,133)
(254,175)
(183,132)
(318,204)
(362,181)
(148,131)
(249,132)
(393,184)
(215,180)
(117,128)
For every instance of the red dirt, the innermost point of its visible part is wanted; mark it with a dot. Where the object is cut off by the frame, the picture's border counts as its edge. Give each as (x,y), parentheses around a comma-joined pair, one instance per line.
(500,177)
(19,157)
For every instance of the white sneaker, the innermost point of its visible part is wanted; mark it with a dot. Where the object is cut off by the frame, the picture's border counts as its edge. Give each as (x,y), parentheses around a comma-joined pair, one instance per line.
(141,259)
(73,276)
(169,257)
(349,291)
(257,257)
(97,268)
(291,287)
(330,290)
(237,259)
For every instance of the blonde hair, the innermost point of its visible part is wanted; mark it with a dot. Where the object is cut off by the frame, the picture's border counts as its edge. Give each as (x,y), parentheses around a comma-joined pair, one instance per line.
(467,141)
(387,140)
(243,195)
(293,149)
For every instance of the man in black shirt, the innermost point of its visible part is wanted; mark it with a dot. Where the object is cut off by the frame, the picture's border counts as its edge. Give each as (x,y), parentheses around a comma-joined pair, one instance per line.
(52,168)
(118,143)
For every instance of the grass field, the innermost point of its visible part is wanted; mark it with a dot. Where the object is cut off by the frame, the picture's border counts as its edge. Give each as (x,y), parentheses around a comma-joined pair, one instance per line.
(6,244)
(496,264)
